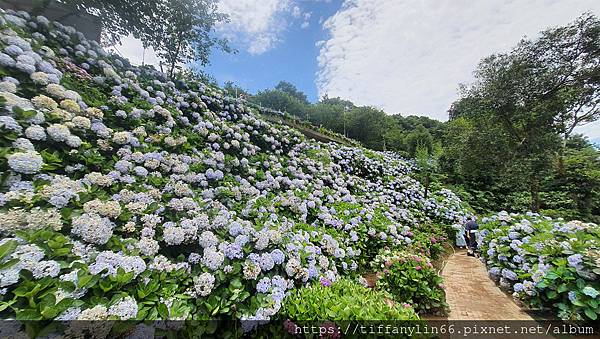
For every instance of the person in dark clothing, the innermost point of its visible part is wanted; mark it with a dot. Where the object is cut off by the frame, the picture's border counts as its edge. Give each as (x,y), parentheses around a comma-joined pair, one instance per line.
(471,228)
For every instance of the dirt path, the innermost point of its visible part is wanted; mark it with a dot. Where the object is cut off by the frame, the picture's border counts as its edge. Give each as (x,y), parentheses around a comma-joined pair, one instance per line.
(472,295)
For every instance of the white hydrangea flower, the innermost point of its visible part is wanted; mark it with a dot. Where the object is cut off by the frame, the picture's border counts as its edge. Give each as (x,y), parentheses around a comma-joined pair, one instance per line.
(23,144)
(7,86)
(58,132)
(122,138)
(56,90)
(81,122)
(98,312)
(92,228)
(29,162)
(148,246)
(73,141)
(40,78)
(47,268)
(203,284)
(35,132)
(174,235)
(125,309)
(110,209)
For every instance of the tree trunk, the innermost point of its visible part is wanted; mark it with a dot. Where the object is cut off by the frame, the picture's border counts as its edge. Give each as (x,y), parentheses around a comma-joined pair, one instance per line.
(534,186)
(426,185)
(174,59)
(561,156)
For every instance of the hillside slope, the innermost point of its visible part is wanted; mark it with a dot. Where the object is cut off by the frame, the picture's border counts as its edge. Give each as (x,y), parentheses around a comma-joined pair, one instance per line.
(126,195)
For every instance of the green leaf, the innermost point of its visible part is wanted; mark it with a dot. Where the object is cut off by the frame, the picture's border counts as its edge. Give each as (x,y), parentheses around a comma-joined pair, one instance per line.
(28,314)
(142,313)
(163,311)
(235,283)
(85,281)
(562,306)
(105,285)
(49,312)
(590,313)
(5,305)
(8,263)
(7,248)
(24,115)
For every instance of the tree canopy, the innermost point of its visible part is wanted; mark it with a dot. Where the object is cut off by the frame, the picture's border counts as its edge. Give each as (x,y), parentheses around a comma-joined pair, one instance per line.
(178,30)
(525,101)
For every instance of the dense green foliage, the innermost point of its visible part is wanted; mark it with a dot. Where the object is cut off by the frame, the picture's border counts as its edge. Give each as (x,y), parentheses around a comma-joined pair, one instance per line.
(344,300)
(511,127)
(371,126)
(411,279)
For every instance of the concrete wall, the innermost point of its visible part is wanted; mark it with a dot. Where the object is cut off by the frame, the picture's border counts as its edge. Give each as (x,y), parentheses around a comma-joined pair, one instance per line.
(89,25)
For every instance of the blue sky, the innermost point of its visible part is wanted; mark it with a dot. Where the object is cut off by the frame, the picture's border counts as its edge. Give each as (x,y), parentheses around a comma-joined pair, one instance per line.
(402,56)
(293,58)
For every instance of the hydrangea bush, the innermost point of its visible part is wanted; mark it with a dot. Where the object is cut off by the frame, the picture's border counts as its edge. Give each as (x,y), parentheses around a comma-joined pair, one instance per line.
(548,264)
(411,279)
(125,195)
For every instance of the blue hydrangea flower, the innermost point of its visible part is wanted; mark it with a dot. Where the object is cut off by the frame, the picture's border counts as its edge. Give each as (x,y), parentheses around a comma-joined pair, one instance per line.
(575,260)
(572,296)
(233,251)
(508,274)
(263,285)
(518,287)
(278,256)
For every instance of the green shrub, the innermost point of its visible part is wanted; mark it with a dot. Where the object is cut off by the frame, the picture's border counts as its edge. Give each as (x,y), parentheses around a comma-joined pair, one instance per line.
(411,279)
(430,242)
(343,300)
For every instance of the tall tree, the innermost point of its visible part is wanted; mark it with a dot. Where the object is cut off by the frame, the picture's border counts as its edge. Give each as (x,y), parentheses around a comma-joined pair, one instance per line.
(427,160)
(233,90)
(119,17)
(185,32)
(538,92)
(367,124)
(178,30)
(282,101)
(290,89)
(567,65)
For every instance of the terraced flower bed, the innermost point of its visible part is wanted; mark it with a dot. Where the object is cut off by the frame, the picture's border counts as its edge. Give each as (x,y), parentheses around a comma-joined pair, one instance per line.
(127,197)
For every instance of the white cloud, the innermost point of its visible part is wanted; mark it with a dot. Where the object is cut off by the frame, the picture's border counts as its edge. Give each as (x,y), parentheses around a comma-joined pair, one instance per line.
(296,12)
(305,24)
(592,130)
(132,49)
(256,25)
(409,56)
